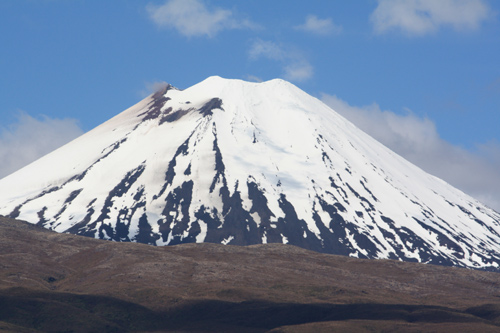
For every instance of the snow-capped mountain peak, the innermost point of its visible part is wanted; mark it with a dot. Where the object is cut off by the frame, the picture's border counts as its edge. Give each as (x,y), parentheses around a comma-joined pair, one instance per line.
(235,162)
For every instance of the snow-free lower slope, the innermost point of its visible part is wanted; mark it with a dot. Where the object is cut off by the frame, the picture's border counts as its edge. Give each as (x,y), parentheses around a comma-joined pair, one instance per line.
(234,162)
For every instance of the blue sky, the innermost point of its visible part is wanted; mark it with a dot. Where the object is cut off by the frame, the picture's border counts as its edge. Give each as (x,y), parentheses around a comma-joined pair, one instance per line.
(421,76)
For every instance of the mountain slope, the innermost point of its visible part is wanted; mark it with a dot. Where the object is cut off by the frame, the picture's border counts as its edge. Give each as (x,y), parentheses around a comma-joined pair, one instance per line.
(57,282)
(233,162)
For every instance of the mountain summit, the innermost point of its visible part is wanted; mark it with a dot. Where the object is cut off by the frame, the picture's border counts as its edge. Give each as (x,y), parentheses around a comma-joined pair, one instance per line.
(234,162)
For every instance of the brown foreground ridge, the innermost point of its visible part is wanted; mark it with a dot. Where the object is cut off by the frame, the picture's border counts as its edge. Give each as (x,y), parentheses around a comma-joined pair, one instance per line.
(53,282)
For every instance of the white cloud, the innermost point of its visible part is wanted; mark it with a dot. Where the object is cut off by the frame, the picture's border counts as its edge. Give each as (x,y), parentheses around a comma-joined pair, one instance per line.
(29,139)
(151,87)
(193,18)
(253,78)
(417,139)
(319,26)
(298,71)
(266,49)
(295,66)
(420,17)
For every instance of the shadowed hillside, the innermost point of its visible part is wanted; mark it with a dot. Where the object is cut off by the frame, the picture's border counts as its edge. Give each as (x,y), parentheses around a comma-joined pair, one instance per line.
(60,282)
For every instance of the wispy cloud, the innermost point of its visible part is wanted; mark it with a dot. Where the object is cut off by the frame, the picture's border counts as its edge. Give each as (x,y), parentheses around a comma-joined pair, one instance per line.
(417,139)
(318,26)
(253,78)
(151,87)
(298,70)
(266,49)
(420,17)
(192,18)
(295,66)
(29,139)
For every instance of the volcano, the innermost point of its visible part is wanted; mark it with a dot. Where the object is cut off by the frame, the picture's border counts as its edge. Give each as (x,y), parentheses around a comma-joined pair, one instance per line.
(241,163)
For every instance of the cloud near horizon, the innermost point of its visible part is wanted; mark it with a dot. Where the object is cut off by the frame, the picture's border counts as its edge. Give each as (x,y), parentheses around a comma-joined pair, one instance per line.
(294,65)
(29,139)
(421,17)
(318,26)
(477,173)
(192,18)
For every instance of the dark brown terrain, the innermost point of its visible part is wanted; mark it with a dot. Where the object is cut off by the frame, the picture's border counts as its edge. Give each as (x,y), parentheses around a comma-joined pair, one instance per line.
(66,283)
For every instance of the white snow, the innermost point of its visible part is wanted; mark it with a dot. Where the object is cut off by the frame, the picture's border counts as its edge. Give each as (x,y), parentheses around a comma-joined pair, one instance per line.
(271,133)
